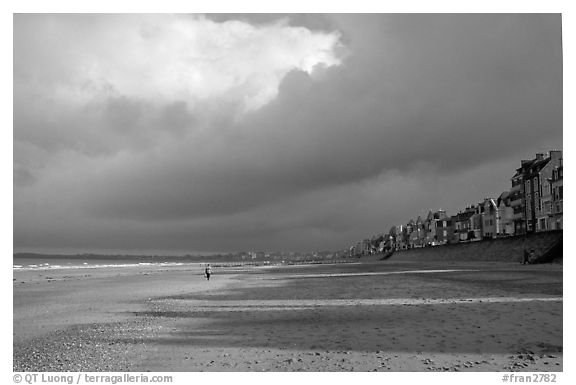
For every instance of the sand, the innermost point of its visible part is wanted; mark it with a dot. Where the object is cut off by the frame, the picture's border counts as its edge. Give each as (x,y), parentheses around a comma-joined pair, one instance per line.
(376,316)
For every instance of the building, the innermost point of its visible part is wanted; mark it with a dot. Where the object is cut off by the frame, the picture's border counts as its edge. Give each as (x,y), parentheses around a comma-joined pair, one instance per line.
(476,223)
(401,238)
(505,215)
(444,231)
(462,224)
(366,247)
(517,196)
(526,192)
(556,188)
(430,229)
(426,225)
(543,192)
(408,230)
(393,238)
(416,233)
(438,228)
(377,243)
(534,183)
(490,221)
(418,236)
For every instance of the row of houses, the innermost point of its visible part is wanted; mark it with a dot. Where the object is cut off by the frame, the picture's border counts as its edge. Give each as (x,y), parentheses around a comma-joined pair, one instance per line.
(533,204)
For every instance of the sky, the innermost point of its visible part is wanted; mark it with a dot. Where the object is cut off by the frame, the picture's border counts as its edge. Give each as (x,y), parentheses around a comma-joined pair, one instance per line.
(230,132)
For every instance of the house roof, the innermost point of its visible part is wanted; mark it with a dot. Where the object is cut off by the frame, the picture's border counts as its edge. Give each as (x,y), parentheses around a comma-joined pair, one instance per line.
(529,167)
(504,197)
(539,165)
(464,216)
(490,201)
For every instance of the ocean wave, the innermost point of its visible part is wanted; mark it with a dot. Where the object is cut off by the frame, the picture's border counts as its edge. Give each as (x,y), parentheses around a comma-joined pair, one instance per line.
(86,265)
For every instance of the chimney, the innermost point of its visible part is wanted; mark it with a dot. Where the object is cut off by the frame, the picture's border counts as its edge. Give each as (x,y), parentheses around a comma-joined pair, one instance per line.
(555,154)
(539,156)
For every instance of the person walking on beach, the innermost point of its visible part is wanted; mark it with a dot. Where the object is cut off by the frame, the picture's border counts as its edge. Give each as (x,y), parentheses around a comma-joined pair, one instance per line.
(529,257)
(526,259)
(208,272)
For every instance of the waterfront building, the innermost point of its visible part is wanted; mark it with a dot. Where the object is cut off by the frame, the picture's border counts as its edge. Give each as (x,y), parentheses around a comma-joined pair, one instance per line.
(505,215)
(543,192)
(462,224)
(490,222)
(438,228)
(557,193)
(476,223)
(527,189)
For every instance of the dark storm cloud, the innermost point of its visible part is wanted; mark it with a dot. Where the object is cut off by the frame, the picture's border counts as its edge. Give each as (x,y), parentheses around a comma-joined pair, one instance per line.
(452,91)
(417,100)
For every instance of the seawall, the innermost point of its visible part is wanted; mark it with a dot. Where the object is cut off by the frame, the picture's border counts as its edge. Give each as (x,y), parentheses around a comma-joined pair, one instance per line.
(509,249)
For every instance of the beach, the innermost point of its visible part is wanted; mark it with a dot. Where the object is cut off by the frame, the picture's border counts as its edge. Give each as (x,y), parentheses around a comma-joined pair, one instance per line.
(368,316)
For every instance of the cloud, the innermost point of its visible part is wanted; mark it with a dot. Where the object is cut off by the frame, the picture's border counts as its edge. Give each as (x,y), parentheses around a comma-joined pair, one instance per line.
(150,127)
(103,84)
(164,58)
(333,216)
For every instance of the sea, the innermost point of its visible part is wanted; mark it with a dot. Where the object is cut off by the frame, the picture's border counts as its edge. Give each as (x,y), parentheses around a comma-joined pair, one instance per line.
(38,262)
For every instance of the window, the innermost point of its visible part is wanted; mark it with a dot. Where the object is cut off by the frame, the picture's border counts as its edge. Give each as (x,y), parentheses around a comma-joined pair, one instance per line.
(560,192)
(542,224)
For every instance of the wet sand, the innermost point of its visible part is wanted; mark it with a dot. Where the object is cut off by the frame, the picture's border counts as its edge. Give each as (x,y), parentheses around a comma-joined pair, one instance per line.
(380,316)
